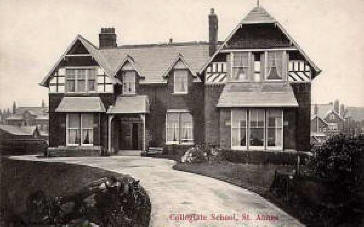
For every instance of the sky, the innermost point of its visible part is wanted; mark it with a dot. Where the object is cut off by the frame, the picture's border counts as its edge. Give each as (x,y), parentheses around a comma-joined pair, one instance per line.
(35,33)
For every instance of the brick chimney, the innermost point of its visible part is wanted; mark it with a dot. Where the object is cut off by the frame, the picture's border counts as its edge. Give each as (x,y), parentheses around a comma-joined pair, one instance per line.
(213,31)
(107,38)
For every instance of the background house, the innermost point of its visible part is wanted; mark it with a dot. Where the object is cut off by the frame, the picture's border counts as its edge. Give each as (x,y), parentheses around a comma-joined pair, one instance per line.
(29,116)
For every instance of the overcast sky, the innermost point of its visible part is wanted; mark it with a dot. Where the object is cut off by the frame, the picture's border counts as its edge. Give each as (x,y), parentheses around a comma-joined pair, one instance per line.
(35,33)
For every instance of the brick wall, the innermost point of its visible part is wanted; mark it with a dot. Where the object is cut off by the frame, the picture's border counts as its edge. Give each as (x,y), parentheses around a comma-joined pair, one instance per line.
(212,94)
(302,93)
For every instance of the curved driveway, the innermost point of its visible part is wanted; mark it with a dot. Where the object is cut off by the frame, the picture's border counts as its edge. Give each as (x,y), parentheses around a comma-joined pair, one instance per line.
(174,194)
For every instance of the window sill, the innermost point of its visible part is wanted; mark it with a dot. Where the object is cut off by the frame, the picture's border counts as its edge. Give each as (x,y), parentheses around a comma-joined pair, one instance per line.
(180,144)
(179,93)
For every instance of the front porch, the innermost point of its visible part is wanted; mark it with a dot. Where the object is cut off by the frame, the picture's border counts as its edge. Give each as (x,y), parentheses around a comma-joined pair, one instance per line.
(126,125)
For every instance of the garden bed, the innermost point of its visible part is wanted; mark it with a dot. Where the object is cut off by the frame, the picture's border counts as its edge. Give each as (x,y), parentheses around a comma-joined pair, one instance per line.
(21,179)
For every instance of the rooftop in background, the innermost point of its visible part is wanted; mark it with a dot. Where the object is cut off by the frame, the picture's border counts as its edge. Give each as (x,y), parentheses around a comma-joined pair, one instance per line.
(18,131)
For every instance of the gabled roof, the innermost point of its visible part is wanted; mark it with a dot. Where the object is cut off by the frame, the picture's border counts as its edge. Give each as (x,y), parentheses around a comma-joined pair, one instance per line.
(151,60)
(129,59)
(323,110)
(259,15)
(174,62)
(93,51)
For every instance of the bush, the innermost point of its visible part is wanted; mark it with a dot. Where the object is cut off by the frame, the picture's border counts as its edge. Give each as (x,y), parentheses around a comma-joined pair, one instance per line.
(201,153)
(338,161)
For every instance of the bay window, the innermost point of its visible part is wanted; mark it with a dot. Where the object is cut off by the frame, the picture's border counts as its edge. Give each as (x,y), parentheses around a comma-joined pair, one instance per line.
(180,81)
(129,82)
(79,129)
(80,80)
(256,129)
(179,128)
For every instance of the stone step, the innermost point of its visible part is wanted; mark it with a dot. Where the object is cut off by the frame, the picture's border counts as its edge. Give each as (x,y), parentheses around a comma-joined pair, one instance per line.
(129,153)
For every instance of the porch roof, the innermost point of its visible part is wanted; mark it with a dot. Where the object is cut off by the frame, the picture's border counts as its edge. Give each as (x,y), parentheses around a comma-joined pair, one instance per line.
(81,105)
(130,105)
(272,94)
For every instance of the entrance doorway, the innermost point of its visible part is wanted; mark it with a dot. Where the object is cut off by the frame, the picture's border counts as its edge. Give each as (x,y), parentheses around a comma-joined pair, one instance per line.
(129,136)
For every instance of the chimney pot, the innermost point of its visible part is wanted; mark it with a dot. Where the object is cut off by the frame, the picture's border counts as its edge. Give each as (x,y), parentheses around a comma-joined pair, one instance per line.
(170,41)
(213,31)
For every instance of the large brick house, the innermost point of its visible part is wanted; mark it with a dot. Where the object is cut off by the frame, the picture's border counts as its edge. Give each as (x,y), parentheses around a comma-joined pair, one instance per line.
(249,92)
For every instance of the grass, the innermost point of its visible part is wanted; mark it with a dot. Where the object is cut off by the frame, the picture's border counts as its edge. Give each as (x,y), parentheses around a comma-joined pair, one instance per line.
(19,179)
(256,178)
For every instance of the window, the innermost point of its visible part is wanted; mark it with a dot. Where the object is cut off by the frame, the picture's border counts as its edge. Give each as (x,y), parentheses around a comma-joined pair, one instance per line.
(180,81)
(257,66)
(253,129)
(240,66)
(274,69)
(256,127)
(239,128)
(179,128)
(79,129)
(104,84)
(129,82)
(274,128)
(56,83)
(80,80)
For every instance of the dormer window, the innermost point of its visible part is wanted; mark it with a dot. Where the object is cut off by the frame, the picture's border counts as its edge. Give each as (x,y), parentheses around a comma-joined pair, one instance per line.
(129,82)
(80,80)
(180,82)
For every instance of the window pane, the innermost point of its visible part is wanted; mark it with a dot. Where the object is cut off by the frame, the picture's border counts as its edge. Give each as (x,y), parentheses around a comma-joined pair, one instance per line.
(87,136)
(173,127)
(91,85)
(87,121)
(241,59)
(274,137)
(238,125)
(187,130)
(74,136)
(70,85)
(81,85)
(180,80)
(74,121)
(256,137)
(129,82)
(274,118)
(275,59)
(240,74)
(70,73)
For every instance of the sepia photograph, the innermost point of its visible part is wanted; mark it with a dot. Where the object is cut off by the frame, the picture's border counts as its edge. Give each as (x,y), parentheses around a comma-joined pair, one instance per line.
(181,113)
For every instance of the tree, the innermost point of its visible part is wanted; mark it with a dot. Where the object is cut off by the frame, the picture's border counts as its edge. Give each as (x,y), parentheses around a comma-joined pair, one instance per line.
(337,106)
(14,107)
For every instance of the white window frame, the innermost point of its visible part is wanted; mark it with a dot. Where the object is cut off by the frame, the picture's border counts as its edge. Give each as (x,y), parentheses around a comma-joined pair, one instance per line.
(239,131)
(276,129)
(87,68)
(133,83)
(248,67)
(81,130)
(264,127)
(248,131)
(186,80)
(268,68)
(179,141)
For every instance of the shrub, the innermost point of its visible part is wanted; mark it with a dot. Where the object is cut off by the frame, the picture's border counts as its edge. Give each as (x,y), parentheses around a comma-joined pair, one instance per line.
(201,153)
